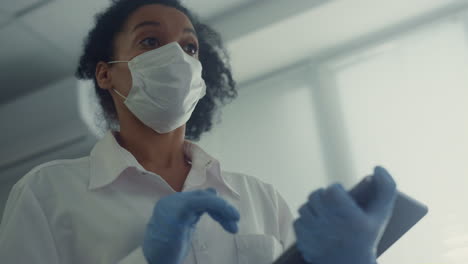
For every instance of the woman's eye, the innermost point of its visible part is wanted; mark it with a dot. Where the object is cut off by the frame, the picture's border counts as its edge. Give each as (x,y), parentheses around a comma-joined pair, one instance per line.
(192,49)
(150,42)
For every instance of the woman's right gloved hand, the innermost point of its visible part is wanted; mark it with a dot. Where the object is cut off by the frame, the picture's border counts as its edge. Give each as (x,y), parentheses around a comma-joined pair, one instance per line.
(333,229)
(169,231)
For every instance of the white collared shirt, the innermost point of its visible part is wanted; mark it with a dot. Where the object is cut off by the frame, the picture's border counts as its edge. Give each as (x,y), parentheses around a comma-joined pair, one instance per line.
(95,210)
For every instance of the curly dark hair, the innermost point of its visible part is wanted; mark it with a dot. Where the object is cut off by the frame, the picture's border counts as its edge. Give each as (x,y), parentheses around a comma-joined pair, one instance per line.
(220,86)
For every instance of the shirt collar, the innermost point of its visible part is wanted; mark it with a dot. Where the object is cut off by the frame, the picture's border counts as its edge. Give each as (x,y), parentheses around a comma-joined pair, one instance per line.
(109,160)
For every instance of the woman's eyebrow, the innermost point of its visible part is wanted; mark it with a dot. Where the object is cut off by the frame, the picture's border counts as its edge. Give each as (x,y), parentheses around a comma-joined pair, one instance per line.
(146,23)
(156,24)
(191,31)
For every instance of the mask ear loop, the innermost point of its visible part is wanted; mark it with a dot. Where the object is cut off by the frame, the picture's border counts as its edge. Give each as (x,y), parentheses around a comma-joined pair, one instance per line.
(110,62)
(117,92)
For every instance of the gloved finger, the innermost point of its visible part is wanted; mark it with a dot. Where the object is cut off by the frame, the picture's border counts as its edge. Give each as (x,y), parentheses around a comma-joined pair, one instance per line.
(194,217)
(360,193)
(385,192)
(212,190)
(216,216)
(228,225)
(314,202)
(306,213)
(338,203)
(198,192)
(213,205)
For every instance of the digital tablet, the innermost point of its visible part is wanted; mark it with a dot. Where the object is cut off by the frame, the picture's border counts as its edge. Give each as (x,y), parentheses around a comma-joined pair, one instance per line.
(406,213)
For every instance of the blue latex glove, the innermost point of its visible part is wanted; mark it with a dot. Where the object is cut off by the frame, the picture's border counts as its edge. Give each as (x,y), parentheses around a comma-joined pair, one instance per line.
(334,229)
(169,231)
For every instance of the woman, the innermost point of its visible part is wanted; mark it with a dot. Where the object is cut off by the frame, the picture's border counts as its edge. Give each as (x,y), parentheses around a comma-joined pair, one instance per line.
(141,195)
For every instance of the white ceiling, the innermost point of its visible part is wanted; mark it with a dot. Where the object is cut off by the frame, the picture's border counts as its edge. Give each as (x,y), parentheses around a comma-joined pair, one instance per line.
(324,28)
(44,44)
(210,9)
(13,7)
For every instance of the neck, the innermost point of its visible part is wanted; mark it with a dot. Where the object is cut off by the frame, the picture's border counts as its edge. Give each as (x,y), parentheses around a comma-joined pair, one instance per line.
(155,152)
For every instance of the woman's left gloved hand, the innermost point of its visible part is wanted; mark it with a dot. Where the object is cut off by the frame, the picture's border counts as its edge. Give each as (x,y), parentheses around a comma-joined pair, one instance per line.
(334,229)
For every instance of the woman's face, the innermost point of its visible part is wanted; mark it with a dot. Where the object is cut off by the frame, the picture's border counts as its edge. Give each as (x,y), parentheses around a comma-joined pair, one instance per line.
(147,28)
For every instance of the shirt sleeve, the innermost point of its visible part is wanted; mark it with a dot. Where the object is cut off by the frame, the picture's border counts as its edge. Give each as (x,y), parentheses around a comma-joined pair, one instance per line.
(25,235)
(285,221)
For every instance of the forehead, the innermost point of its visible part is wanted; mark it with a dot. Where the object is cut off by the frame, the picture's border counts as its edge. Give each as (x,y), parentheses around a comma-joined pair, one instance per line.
(165,15)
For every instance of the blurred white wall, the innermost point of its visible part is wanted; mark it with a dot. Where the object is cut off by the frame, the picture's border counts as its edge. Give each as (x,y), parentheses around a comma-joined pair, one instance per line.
(270,132)
(404,102)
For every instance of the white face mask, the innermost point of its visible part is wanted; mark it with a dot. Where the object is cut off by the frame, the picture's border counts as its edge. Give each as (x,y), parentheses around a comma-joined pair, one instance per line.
(166,86)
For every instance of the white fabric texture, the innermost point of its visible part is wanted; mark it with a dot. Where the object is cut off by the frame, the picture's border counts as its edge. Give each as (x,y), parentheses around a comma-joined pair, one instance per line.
(95,210)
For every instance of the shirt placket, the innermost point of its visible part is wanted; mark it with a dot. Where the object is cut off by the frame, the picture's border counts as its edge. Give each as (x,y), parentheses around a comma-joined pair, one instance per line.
(201,248)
